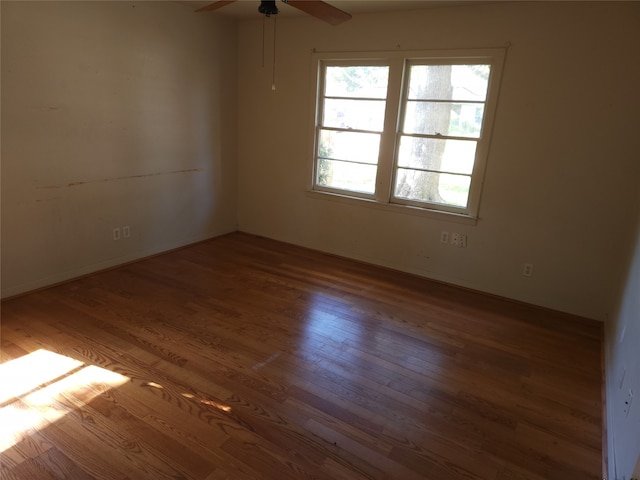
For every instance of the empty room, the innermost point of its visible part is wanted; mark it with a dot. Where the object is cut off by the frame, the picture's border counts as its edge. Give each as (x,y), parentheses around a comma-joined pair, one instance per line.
(320,240)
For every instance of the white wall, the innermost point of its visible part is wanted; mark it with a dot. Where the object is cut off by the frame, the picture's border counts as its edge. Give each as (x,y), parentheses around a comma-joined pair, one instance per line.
(622,339)
(113,113)
(562,172)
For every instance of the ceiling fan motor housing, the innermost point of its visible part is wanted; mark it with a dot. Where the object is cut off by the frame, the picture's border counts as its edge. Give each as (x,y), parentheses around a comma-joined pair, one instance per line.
(268,7)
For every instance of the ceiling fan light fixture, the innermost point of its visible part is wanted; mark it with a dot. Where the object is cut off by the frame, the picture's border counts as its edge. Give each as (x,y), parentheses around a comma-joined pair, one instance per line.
(268,7)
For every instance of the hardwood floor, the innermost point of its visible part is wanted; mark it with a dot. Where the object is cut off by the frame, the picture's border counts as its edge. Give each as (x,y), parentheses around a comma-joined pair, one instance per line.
(245,358)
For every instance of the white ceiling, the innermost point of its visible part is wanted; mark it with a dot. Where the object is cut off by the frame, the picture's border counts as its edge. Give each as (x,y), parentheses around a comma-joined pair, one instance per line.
(245,9)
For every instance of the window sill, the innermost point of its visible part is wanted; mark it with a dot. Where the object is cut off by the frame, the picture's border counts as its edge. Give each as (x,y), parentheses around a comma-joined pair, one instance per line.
(395,208)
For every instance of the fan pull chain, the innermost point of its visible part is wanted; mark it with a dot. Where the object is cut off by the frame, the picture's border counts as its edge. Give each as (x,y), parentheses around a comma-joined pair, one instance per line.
(264,20)
(273,79)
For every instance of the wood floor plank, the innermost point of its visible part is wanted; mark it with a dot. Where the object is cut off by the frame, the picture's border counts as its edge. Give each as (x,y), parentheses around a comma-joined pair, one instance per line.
(29,470)
(31,446)
(61,466)
(246,358)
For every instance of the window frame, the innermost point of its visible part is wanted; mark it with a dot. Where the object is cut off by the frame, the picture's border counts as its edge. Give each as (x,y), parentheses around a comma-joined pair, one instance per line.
(318,126)
(387,166)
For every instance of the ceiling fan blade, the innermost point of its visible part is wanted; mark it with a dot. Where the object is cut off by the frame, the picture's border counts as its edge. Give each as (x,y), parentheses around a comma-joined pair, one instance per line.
(215,6)
(321,10)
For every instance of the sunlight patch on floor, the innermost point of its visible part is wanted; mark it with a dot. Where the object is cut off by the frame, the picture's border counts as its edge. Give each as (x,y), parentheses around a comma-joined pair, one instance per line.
(42,387)
(23,374)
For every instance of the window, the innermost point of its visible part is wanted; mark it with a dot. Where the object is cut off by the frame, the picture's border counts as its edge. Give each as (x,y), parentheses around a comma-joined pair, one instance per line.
(407,129)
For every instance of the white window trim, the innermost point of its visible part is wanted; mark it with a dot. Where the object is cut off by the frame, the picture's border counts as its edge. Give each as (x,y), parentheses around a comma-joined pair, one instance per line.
(382,199)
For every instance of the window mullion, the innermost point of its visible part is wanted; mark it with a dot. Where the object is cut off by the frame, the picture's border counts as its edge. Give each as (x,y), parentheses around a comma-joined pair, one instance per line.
(386,158)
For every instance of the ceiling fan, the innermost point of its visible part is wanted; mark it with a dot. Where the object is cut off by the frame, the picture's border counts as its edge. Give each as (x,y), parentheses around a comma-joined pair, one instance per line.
(321,10)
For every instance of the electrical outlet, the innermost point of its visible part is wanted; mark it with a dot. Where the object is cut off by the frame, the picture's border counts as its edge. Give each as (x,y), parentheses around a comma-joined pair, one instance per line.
(116,233)
(444,237)
(527,271)
(459,240)
(627,403)
(126,231)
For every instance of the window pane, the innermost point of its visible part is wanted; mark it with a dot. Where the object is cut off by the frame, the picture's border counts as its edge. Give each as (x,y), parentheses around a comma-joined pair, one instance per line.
(443,118)
(449,82)
(455,156)
(360,82)
(356,114)
(354,146)
(356,177)
(432,187)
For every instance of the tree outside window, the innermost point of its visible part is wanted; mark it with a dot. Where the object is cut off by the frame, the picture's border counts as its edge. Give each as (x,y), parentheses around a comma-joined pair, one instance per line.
(442,113)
